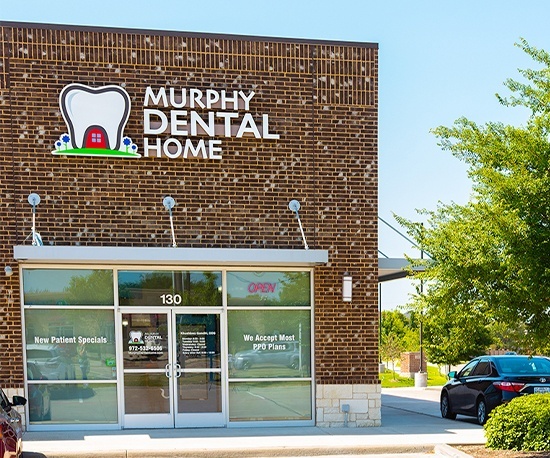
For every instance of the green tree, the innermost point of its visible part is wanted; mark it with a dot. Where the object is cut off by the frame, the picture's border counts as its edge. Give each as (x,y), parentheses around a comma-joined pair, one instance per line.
(510,338)
(454,334)
(489,260)
(398,333)
(390,350)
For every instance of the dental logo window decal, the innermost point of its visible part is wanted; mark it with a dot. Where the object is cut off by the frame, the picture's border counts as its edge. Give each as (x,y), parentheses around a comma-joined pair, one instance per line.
(136,337)
(95,118)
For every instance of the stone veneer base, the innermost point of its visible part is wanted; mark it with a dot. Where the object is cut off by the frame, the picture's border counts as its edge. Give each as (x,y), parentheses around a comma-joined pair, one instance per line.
(365,404)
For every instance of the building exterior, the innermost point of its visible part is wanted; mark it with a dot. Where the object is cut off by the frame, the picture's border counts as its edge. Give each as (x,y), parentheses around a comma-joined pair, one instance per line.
(189,229)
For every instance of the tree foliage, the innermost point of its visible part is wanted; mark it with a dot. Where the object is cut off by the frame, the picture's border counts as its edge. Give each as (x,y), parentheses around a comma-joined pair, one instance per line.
(398,333)
(489,260)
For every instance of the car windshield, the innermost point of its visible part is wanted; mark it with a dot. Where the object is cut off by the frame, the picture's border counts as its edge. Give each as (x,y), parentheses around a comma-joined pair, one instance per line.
(519,365)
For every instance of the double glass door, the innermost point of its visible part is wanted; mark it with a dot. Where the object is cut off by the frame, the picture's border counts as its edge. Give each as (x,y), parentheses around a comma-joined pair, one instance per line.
(172,369)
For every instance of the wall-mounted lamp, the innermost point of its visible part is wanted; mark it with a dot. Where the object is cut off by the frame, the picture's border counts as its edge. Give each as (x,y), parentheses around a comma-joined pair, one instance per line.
(34,200)
(294,206)
(347,282)
(8,271)
(170,203)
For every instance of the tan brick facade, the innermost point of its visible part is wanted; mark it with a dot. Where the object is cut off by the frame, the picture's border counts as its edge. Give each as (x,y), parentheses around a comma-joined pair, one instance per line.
(322,100)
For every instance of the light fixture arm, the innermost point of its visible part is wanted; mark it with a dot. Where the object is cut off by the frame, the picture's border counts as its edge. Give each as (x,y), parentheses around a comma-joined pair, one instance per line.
(169,203)
(294,206)
(34,200)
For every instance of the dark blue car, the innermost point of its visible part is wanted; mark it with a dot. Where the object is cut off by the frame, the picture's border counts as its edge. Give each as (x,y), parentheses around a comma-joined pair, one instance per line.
(487,381)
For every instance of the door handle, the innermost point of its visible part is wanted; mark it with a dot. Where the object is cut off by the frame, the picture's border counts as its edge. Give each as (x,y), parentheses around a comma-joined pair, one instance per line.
(167,370)
(178,371)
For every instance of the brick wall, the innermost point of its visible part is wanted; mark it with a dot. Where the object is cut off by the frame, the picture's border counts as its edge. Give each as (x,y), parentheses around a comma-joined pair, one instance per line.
(410,363)
(321,99)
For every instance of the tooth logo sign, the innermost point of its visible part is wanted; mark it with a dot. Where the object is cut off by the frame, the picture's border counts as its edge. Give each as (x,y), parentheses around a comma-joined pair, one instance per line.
(95,118)
(136,337)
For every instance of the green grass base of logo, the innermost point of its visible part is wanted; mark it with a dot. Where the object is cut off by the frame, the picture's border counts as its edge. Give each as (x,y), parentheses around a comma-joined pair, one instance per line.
(94,152)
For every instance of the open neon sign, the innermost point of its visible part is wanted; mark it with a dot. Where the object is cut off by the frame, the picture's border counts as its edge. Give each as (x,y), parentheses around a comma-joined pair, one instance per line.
(262,287)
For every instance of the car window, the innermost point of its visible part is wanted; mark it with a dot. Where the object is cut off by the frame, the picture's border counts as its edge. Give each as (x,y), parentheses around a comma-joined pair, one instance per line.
(526,365)
(41,354)
(468,368)
(32,372)
(483,368)
(541,366)
(4,402)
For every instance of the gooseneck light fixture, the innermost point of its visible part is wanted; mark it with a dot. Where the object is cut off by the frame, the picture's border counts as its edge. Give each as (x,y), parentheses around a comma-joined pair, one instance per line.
(170,203)
(34,200)
(294,206)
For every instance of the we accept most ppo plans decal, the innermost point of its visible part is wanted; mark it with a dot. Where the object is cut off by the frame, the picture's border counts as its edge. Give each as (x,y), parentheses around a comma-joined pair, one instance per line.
(177,123)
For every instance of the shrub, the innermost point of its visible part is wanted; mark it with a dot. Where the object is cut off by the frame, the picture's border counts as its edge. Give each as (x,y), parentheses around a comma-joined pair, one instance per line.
(521,424)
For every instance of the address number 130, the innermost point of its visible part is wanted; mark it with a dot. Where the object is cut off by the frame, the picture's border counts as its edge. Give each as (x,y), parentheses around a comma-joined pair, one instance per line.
(171,299)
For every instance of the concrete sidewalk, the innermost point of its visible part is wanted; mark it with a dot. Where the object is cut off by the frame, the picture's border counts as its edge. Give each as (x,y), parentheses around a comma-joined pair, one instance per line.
(411,426)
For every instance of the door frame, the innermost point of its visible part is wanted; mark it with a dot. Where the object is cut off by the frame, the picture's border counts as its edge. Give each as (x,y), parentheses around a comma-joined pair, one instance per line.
(172,419)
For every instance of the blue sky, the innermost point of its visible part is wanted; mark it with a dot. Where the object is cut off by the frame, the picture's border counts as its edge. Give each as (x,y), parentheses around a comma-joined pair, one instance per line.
(439,60)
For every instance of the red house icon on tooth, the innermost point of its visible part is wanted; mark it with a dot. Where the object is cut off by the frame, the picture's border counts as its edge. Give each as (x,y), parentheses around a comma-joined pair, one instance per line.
(95,137)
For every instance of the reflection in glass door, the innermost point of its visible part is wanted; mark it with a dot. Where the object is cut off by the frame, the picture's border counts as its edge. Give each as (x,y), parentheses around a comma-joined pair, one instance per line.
(148,370)
(172,370)
(199,385)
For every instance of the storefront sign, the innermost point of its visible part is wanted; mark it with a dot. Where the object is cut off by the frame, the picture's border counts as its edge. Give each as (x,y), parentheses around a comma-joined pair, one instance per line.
(269,342)
(96,118)
(194,344)
(144,343)
(70,340)
(262,287)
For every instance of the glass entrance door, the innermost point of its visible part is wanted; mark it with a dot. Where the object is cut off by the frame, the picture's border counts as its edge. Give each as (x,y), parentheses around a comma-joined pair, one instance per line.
(198,385)
(172,371)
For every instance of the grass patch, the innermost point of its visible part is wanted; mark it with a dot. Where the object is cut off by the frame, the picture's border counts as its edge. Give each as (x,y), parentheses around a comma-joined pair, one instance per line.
(95,152)
(389,379)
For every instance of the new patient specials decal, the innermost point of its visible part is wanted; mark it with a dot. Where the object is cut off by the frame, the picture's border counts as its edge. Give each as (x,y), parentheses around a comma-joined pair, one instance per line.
(177,123)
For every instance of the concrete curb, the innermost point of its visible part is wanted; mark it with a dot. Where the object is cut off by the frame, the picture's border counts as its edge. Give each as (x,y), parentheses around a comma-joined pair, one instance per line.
(448,451)
(232,453)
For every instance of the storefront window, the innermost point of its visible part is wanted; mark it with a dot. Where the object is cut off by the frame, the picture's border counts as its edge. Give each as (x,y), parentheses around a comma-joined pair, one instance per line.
(68,287)
(269,401)
(66,344)
(268,289)
(170,288)
(72,403)
(269,343)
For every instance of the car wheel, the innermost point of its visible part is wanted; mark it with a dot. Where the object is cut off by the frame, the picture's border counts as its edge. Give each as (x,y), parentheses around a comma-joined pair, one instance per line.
(481,412)
(445,407)
(246,365)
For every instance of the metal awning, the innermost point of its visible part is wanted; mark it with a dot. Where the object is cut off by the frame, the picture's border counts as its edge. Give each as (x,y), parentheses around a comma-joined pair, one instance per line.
(392,269)
(388,268)
(169,256)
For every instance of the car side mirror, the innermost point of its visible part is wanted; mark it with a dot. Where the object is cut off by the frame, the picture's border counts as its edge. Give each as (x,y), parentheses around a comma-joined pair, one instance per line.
(452,375)
(18,401)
